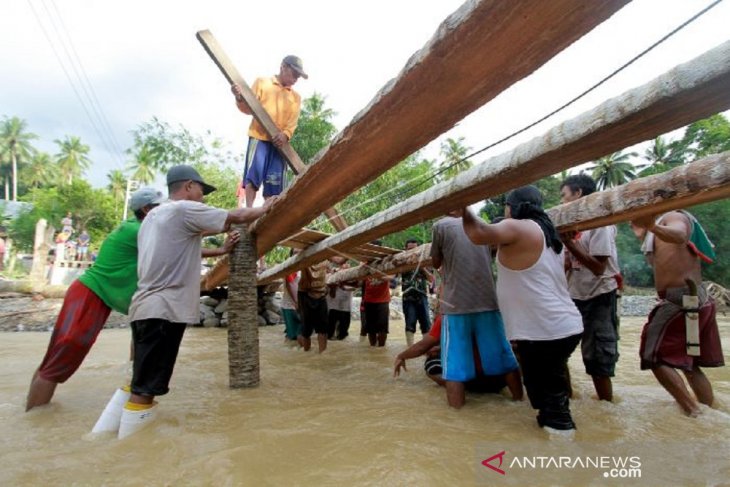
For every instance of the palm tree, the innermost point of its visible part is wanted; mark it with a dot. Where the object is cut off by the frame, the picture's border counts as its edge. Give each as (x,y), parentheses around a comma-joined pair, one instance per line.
(144,166)
(40,171)
(117,186)
(454,152)
(15,147)
(613,170)
(72,158)
(661,156)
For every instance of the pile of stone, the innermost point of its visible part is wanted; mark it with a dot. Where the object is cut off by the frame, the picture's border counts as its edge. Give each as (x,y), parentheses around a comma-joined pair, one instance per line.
(637,305)
(214,309)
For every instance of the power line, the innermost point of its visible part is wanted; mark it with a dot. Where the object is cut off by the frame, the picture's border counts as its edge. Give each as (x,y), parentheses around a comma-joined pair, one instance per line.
(94,99)
(95,126)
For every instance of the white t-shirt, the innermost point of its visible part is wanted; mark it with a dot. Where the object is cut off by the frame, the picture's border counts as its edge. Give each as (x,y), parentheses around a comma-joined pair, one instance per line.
(582,283)
(286,301)
(342,300)
(169,243)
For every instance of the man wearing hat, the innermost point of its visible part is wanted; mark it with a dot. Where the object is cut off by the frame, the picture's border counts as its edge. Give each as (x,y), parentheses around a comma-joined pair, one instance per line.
(264,164)
(168,291)
(108,284)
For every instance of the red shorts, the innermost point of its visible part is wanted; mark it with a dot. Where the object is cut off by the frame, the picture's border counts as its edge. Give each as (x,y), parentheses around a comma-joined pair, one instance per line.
(81,319)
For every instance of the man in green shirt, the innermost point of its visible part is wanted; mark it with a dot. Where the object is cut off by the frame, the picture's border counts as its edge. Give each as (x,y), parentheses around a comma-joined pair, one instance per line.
(108,284)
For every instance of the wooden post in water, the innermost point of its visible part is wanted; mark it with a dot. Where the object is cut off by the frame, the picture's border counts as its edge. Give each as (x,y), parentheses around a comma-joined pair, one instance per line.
(243,325)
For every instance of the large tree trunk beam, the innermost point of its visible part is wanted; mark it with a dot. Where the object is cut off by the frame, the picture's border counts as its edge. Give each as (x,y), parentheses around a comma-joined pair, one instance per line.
(689,92)
(477,52)
(393,264)
(243,324)
(699,182)
(691,184)
(221,59)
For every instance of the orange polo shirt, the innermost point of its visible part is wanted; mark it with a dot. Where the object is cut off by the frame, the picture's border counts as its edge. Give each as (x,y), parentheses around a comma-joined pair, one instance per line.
(282,104)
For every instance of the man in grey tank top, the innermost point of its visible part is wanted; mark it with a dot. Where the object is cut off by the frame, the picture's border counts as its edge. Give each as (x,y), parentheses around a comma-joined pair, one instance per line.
(472,324)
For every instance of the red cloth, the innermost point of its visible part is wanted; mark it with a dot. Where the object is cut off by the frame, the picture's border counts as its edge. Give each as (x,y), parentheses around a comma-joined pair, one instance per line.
(435,330)
(81,319)
(291,277)
(376,291)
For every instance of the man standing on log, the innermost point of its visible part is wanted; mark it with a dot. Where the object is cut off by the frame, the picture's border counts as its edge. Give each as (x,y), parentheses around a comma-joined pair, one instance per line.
(264,163)
(168,292)
(591,266)
(674,244)
(108,284)
(471,322)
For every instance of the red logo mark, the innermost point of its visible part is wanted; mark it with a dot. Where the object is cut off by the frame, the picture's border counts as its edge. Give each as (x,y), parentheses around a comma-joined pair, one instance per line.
(496,469)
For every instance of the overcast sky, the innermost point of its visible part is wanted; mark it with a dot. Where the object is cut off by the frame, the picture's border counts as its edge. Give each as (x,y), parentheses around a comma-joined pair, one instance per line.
(143,60)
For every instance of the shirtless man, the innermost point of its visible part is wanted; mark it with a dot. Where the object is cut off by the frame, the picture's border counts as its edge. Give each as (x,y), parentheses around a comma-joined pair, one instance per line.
(674,244)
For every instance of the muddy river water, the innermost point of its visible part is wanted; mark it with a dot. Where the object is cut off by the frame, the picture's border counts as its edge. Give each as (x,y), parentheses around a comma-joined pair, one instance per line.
(341,419)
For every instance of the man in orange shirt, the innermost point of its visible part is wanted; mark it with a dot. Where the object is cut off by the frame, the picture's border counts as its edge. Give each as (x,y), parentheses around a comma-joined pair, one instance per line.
(264,163)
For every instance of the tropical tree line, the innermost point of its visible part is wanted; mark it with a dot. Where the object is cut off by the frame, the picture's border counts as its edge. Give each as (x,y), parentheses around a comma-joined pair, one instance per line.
(54,183)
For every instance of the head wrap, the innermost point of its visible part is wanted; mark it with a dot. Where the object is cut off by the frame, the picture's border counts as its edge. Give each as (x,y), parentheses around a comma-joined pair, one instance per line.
(526,204)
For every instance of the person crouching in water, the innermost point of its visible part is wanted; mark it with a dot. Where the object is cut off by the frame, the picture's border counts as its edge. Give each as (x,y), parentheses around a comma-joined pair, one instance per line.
(533,295)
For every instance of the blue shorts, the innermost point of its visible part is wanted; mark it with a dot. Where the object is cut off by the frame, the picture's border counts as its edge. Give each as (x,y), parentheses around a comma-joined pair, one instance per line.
(264,166)
(460,331)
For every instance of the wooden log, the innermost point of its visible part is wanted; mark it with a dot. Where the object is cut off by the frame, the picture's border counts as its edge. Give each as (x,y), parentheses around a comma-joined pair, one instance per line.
(221,59)
(393,264)
(477,52)
(686,93)
(691,184)
(699,182)
(243,325)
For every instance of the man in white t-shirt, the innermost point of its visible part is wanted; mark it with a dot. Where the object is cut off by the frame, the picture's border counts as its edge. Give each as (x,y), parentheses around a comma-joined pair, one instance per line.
(591,266)
(168,290)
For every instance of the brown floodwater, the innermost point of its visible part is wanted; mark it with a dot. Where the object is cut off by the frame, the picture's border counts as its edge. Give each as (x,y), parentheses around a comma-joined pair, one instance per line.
(341,419)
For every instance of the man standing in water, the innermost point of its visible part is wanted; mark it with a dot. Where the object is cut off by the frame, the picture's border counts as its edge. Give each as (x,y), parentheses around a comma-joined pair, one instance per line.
(591,264)
(674,244)
(108,284)
(533,296)
(471,321)
(168,290)
(264,164)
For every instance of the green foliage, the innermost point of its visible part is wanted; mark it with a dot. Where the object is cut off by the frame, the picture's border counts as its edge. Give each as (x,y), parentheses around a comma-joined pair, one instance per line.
(454,154)
(15,150)
(93,210)
(226,181)
(548,186)
(704,137)
(72,159)
(613,170)
(634,268)
(314,129)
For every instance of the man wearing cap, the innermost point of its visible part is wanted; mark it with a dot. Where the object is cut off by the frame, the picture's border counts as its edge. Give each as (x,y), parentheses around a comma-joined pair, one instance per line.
(168,291)
(264,163)
(108,284)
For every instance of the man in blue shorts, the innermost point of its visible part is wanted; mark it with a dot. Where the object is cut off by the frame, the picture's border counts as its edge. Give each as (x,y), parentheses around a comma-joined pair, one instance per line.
(264,163)
(471,317)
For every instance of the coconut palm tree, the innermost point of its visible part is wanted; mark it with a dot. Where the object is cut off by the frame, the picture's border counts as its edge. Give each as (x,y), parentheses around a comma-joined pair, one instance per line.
(144,166)
(72,158)
(40,171)
(15,147)
(454,153)
(117,186)
(613,170)
(662,156)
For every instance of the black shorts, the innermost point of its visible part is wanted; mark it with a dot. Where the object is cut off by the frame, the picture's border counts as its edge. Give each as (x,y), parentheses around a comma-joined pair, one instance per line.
(156,343)
(599,344)
(314,314)
(377,316)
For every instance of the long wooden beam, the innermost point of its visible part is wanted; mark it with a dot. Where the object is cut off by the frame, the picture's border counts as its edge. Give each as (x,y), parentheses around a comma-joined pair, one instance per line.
(692,184)
(477,52)
(221,59)
(687,93)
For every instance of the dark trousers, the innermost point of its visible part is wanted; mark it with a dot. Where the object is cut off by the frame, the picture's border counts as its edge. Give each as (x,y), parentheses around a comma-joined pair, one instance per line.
(545,373)
(416,311)
(341,317)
